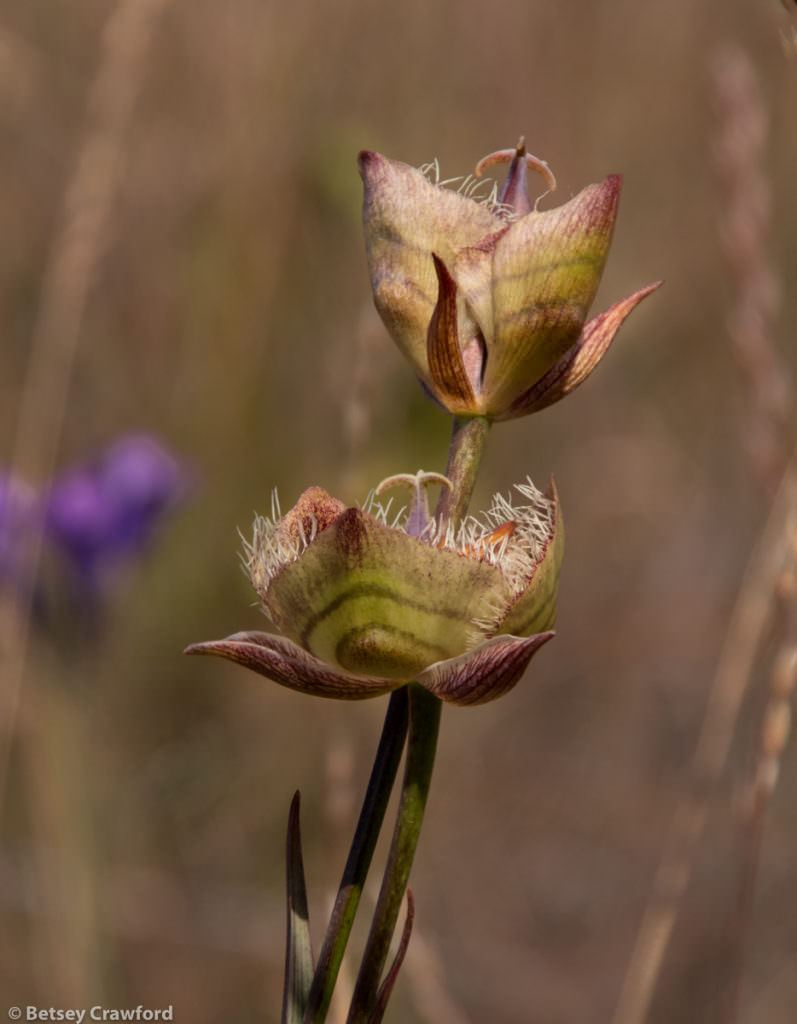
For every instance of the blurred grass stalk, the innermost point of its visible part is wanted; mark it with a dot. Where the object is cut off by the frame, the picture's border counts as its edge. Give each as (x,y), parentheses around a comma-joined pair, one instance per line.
(749,621)
(767,594)
(47,724)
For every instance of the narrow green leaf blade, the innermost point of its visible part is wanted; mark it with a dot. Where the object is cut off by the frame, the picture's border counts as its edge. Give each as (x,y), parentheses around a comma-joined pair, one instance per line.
(298,949)
(372,815)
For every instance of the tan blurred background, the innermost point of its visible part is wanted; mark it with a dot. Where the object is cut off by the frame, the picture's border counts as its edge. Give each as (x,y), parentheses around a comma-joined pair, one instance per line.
(229,312)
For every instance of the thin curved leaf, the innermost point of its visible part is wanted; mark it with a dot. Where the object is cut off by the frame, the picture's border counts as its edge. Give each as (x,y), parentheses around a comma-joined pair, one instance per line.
(298,948)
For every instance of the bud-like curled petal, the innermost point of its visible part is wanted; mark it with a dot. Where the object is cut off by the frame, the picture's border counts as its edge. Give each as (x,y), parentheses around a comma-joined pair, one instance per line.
(406,220)
(484,298)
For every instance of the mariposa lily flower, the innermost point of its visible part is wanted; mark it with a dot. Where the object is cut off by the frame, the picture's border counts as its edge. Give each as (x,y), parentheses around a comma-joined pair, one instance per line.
(367,605)
(488,299)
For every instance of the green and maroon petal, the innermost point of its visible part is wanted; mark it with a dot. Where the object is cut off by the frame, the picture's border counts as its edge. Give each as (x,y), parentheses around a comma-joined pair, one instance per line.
(580,360)
(483,674)
(284,662)
(546,271)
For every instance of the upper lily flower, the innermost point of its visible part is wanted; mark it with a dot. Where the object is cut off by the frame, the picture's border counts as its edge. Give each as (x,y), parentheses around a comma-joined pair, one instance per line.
(488,299)
(367,605)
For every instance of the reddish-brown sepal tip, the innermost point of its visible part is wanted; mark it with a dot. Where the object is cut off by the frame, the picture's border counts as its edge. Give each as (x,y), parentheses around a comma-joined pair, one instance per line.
(580,359)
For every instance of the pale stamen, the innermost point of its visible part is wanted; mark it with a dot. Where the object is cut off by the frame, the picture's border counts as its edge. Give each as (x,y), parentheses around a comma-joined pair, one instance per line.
(505,156)
(419,518)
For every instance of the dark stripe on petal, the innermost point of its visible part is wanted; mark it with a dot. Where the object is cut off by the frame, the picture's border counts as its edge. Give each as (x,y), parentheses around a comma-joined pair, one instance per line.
(541,271)
(385,650)
(436,651)
(443,349)
(358,590)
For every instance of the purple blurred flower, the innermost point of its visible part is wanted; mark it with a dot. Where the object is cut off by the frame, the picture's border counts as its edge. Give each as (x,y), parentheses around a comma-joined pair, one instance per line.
(18,511)
(106,510)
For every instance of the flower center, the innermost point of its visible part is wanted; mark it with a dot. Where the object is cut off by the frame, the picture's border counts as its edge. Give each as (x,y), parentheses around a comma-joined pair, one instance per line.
(474,539)
(514,194)
(419,520)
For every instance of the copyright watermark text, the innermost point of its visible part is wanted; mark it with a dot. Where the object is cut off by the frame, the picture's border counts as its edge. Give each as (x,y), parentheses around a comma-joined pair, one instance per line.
(106,1013)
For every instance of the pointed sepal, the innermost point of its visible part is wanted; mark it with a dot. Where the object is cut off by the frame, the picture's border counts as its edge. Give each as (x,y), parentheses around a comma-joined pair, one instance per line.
(290,665)
(580,360)
(484,674)
(446,364)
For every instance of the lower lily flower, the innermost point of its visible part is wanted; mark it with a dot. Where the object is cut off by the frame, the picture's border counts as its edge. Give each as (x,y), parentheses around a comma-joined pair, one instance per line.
(368,605)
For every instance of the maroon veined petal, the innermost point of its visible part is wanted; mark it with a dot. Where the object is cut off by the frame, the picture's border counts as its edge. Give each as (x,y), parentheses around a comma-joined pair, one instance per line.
(446,366)
(288,664)
(487,672)
(545,274)
(580,359)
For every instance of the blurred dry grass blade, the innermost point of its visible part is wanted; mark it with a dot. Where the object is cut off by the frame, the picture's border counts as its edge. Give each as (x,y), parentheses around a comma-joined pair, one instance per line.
(364,381)
(748,623)
(788,32)
(74,253)
(66,967)
(739,152)
(426,975)
(744,225)
(773,738)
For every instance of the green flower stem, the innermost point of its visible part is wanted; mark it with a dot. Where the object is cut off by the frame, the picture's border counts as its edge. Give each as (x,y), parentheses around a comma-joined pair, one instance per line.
(424,722)
(467,445)
(380,785)
(468,439)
